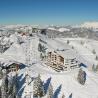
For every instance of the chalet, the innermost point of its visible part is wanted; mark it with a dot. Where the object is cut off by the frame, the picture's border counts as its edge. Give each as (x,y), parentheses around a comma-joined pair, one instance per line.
(13,67)
(59,62)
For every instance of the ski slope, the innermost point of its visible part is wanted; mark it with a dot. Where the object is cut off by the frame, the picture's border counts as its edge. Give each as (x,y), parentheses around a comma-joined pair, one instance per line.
(68,80)
(84,52)
(20,52)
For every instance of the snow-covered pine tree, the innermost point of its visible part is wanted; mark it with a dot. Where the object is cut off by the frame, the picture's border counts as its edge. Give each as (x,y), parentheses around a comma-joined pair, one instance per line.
(6,83)
(93,68)
(44,49)
(15,86)
(72,47)
(0,92)
(4,87)
(38,89)
(68,42)
(50,91)
(10,85)
(70,96)
(93,51)
(96,67)
(63,96)
(1,74)
(14,91)
(82,42)
(81,77)
(39,47)
(41,56)
(96,57)
(10,96)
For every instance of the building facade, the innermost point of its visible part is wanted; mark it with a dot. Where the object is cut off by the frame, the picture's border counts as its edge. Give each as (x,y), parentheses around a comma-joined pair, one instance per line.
(60,63)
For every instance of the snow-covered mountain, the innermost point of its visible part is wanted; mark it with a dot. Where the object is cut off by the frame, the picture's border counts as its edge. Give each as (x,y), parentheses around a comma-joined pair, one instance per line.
(90,25)
(60,29)
(63,29)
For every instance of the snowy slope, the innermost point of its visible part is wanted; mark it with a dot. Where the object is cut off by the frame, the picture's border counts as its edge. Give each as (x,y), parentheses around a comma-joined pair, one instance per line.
(61,29)
(68,82)
(84,51)
(19,52)
(16,52)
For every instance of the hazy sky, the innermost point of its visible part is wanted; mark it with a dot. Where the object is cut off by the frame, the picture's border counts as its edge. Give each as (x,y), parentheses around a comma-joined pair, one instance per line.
(48,11)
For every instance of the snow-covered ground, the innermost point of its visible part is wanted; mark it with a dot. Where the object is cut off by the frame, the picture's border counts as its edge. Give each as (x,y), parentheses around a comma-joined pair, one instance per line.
(60,29)
(19,52)
(67,80)
(83,48)
(28,52)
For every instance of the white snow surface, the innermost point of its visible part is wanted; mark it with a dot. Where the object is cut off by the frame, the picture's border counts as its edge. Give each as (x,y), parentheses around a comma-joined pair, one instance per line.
(83,52)
(90,25)
(63,29)
(60,29)
(18,52)
(67,80)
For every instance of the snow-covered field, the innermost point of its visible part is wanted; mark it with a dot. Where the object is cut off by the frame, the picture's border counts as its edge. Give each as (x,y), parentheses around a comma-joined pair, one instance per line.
(19,52)
(67,81)
(82,50)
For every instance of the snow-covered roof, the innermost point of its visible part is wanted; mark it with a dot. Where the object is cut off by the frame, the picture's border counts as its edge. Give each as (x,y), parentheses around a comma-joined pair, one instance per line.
(67,54)
(61,48)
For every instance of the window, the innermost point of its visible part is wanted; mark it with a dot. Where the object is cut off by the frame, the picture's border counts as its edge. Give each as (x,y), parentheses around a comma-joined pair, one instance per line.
(61,59)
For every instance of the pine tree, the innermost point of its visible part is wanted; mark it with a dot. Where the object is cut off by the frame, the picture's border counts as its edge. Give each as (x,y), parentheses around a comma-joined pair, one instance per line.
(15,86)
(50,91)
(81,77)
(93,68)
(72,47)
(68,42)
(93,51)
(14,91)
(38,89)
(10,86)
(0,92)
(41,56)
(10,96)
(1,74)
(70,96)
(63,96)
(82,43)
(4,87)
(96,67)
(39,47)
(96,57)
